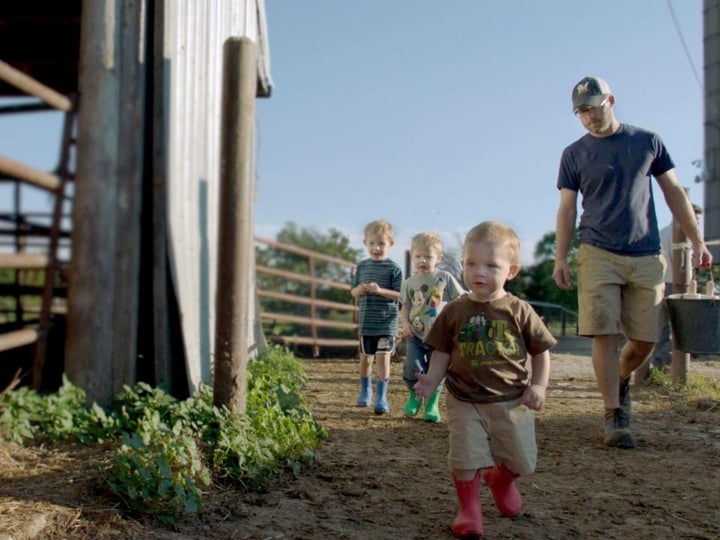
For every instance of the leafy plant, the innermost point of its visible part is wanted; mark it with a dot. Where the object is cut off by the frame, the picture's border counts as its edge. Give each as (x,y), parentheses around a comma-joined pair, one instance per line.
(168,450)
(278,433)
(158,469)
(27,414)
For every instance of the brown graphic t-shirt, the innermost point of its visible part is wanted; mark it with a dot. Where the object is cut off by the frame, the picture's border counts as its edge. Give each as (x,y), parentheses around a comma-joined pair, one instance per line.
(489,344)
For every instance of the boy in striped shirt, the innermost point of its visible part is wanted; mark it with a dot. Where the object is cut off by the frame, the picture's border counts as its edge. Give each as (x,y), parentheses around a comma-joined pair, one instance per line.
(376,288)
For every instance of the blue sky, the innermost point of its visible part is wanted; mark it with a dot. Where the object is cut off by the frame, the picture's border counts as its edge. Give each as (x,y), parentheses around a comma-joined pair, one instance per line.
(439,115)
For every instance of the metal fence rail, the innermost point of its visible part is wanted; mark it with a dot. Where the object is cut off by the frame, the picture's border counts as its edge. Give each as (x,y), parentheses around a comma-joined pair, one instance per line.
(307,314)
(45,256)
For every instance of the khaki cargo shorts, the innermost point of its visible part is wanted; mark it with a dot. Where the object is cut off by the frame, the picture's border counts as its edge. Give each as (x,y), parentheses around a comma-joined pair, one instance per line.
(481,435)
(617,293)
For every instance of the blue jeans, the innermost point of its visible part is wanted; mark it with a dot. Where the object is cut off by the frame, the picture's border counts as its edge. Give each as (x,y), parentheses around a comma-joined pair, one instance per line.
(417,360)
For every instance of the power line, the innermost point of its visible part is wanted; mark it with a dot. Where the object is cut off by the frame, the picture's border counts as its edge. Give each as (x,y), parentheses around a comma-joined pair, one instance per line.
(682,41)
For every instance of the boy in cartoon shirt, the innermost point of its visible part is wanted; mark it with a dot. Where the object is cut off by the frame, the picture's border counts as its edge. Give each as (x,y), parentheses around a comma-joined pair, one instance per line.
(422,296)
(482,343)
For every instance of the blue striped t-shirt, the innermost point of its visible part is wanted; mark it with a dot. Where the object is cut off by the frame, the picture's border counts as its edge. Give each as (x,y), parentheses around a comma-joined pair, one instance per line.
(377,315)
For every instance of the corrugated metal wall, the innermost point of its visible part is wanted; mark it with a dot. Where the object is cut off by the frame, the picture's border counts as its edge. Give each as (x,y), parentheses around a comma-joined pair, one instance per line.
(194,33)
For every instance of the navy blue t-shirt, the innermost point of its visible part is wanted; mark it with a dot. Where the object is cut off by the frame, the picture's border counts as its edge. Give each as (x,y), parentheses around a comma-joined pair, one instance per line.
(613,174)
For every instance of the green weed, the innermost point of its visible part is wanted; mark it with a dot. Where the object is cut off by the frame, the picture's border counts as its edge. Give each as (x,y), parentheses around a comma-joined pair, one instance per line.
(698,390)
(167,450)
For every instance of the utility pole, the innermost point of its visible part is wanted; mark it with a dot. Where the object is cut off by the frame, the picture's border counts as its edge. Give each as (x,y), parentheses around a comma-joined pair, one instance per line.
(711,161)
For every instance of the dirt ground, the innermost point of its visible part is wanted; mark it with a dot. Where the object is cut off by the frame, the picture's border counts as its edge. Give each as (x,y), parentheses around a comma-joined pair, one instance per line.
(385,477)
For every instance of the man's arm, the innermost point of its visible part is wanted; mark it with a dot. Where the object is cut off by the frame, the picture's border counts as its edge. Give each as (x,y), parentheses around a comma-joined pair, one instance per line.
(564,229)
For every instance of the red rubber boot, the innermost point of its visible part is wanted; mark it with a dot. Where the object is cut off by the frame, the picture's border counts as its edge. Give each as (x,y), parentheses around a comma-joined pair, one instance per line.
(468,522)
(506,495)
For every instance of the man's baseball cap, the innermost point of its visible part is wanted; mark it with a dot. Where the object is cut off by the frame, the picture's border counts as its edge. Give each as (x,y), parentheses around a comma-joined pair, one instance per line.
(590,91)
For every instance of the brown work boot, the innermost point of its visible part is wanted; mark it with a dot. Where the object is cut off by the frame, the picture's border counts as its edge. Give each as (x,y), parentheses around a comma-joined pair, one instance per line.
(617,429)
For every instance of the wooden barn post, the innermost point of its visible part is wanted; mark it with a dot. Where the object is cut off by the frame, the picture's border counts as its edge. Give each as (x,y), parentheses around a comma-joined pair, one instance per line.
(101,347)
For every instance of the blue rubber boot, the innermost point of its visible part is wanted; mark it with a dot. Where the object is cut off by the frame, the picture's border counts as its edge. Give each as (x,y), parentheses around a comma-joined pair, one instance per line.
(432,412)
(381,405)
(365,396)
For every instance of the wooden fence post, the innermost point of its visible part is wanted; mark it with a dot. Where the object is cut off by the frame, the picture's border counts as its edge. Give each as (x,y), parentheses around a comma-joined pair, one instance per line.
(236,242)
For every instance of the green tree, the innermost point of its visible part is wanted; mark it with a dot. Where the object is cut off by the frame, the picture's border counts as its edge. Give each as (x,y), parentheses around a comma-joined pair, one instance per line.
(535,282)
(333,244)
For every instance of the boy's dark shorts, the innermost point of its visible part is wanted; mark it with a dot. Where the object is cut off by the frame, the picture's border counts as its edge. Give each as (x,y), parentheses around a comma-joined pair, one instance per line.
(369,345)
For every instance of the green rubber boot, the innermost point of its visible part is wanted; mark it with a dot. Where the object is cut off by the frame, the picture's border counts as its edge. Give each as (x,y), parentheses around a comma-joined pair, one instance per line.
(413,404)
(432,412)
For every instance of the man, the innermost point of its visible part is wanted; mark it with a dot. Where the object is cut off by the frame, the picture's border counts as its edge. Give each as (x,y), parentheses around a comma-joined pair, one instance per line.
(620,272)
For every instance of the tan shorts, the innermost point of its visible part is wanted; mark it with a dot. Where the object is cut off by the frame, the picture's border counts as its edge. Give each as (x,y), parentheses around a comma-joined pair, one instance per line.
(617,293)
(482,435)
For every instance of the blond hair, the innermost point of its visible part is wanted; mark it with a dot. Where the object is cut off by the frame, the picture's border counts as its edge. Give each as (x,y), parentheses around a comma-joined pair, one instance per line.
(494,232)
(426,241)
(379,227)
